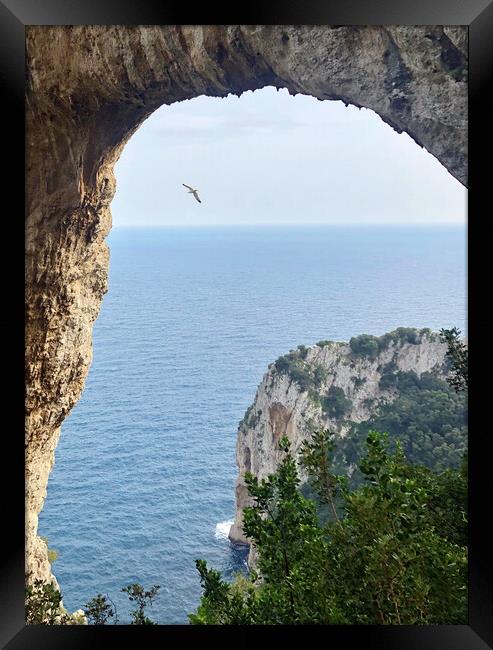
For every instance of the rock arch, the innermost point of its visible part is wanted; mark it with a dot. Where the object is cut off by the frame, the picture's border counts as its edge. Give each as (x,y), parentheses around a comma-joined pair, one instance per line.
(88,90)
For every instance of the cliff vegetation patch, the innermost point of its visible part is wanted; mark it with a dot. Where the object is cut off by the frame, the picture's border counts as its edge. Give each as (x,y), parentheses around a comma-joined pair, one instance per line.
(428,418)
(308,376)
(367,345)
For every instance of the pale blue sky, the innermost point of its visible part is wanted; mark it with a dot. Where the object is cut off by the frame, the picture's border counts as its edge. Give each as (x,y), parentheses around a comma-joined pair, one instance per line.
(270,158)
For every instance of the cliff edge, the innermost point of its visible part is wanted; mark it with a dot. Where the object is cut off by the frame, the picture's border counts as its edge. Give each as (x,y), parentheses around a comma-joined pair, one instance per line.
(329,385)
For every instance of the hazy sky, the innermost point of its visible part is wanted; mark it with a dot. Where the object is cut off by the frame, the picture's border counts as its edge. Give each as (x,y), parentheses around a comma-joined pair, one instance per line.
(270,158)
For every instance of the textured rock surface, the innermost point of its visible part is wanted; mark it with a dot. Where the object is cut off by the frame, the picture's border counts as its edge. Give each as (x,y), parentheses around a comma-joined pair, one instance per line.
(88,90)
(281,408)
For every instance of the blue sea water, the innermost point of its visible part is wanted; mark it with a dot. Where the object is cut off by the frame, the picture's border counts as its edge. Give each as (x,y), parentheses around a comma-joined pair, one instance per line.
(143,482)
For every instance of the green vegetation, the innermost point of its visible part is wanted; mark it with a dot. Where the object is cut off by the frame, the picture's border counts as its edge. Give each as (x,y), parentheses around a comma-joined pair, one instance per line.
(393,552)
(302,351)
(251,418)
(52,553)
(367,345)
(142,598)
(428,417)
(43,605)
(98,610)
(458,356)
(335,404)
(307,376)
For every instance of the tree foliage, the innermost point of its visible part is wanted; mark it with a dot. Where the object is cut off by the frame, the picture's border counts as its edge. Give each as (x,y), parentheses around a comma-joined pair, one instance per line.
(100,609)
(307,375)
(43,604)
(335,404)
(427,416)
(394,552)
(458,355)
(142,598)
(367,345)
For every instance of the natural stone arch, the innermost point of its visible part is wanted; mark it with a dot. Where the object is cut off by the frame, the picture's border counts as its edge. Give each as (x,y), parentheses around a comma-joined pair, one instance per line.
(88,90)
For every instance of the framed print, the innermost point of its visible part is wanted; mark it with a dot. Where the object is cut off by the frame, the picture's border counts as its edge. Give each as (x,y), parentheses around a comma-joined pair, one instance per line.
(274,168)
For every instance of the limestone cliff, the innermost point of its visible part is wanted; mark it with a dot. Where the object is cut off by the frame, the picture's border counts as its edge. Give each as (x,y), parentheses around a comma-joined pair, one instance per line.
(89,88)
(328,385)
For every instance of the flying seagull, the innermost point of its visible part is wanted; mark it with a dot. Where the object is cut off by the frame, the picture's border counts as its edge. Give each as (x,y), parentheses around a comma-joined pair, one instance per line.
(192,191)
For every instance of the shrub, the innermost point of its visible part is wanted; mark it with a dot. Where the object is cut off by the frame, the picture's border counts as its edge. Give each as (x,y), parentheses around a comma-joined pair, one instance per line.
(387,381)
(364,345)
(305,375)
(335,404)
(250,419)
(303,351)
(369,345)
(427,416)
(319,375)
(52,553)
(43,605)
(99,611)
(142,598)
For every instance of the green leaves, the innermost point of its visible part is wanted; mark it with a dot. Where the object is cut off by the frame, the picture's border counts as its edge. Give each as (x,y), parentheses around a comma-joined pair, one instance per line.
(393,552)
(458,354)
(43,605)
(428,417)
(98,610)
(142,598)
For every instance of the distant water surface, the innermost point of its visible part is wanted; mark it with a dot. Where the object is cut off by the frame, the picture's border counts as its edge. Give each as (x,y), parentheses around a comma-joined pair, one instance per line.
(143,482)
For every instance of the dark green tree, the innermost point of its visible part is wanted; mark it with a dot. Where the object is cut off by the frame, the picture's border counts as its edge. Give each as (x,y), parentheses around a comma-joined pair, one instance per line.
(458,355)
(99,610)
(137,594)
(316,457)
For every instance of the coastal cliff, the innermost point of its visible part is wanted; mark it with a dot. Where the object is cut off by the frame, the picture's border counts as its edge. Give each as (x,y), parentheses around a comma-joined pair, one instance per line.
(331,385)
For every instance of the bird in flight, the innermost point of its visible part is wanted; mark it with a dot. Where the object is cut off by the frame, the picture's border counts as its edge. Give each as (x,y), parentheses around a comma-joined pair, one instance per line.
(192,191)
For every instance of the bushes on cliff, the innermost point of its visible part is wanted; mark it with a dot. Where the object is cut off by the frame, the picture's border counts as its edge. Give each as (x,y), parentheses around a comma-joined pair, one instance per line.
(307,376)
(367,345)
(335,404)
(364,345)
(428,417)
(394,555)
(52,553)
(43,605)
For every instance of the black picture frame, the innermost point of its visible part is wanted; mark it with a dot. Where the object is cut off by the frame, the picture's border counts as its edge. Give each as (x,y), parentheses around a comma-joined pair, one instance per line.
(478,15)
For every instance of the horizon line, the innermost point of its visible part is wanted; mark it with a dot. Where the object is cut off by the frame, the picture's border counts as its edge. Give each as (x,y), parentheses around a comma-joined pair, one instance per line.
(292,225)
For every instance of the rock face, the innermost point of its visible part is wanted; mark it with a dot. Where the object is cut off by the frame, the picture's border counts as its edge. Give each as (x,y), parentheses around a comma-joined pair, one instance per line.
(88,90)
(282,408)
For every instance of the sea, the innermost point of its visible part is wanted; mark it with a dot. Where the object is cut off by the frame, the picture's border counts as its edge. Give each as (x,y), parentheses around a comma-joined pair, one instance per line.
(144,474)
